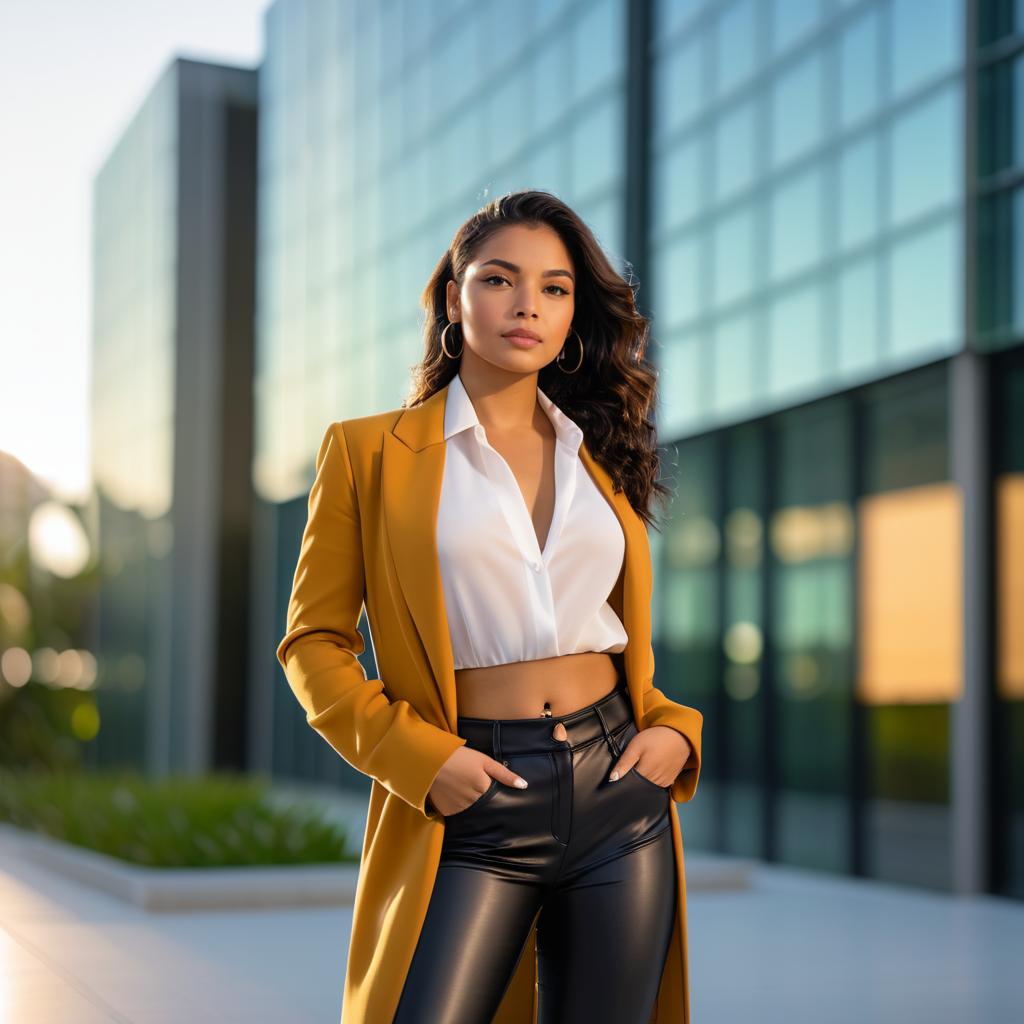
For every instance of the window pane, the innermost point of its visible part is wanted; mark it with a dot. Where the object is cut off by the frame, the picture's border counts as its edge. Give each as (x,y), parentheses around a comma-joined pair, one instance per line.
(795,224)
(677,182)
(859,342)
(792,21)
(924,47)
(734,255)
(859,48)
(735,45)
(858,192)
(676,277)
(678,87)
(679,384)
(925,300)
(597,147)
(736,155)
(598,46)
(733,362)
(926,157)
(794,340)
(797,113)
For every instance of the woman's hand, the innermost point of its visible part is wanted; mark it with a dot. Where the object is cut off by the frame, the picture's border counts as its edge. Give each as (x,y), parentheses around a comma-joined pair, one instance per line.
(465,777)
(658,753)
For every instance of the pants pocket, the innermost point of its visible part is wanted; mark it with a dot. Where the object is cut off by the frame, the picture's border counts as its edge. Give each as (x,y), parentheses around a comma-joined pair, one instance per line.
(478,802)
(623,737)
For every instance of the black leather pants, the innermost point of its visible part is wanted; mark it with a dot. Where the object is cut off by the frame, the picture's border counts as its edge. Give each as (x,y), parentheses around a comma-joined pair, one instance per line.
(593,858)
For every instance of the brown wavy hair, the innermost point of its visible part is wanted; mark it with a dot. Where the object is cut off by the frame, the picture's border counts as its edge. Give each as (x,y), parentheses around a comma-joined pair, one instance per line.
(612,395)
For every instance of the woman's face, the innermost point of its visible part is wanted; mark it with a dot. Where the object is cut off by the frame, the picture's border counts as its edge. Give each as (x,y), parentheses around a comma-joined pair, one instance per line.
(522,278)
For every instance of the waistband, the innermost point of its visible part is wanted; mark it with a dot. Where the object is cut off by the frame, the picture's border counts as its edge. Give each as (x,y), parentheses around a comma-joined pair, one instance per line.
(501,736)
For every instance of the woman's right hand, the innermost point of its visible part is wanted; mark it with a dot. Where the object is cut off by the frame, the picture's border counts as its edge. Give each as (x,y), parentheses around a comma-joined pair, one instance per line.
(465,777)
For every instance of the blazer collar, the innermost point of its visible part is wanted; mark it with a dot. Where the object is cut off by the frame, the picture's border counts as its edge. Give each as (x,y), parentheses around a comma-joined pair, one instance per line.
(412,470)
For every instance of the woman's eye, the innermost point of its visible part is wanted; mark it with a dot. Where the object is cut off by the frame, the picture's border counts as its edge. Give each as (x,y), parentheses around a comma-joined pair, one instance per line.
(498,277)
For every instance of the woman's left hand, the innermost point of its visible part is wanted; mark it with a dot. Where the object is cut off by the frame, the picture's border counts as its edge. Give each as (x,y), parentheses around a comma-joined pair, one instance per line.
(658,753)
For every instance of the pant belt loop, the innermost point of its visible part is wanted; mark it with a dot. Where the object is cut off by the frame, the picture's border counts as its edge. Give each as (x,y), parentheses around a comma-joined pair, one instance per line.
(612,744)
(496,742)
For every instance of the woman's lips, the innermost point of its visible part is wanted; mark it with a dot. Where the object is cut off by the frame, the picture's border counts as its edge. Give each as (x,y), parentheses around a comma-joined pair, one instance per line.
(521,341)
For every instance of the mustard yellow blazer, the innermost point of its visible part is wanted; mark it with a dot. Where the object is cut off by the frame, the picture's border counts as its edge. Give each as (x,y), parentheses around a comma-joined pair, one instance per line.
(369,539)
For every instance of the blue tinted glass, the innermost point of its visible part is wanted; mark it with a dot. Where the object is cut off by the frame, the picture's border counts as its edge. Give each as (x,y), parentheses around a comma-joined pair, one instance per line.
(681,391)
(1016,268)
(735,149)
(598,45)
(506,113)
(550,83)
(796,224)
(677,291)
(671,15)
(795,340)
(858,339)
(604,216)
(858,192)
(547,165)
(923,47)
(925,291)
(797,114)
(678,88)
(735,45)
(859,49)
(597,147)
(677,180)
(733,362)
(734,239)
(926,156)
(792,20)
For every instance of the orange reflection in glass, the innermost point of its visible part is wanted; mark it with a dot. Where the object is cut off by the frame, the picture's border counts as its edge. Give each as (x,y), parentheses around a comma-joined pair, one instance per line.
(1009,571)
(911,596)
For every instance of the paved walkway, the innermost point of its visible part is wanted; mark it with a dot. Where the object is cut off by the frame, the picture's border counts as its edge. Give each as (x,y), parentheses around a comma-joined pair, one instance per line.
(797,947)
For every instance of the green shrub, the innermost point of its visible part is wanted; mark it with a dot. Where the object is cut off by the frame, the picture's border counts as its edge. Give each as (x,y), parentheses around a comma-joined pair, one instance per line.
(215,821)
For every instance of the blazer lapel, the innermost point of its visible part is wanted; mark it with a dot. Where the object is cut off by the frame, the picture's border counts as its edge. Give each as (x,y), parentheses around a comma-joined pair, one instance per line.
(412,470)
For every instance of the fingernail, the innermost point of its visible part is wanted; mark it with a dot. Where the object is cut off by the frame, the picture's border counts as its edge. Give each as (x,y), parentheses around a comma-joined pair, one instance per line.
(613,776)
(521,783)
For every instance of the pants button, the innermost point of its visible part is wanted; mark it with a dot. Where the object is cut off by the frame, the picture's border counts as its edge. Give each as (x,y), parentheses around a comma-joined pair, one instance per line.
(559,732)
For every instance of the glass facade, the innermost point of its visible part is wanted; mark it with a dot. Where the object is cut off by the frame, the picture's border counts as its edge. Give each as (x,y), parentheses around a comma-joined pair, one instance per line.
(999,114)
(810,598)
(1008,627)
(382,125)
(820,257)
(171,421)
(135,218)
(807,221)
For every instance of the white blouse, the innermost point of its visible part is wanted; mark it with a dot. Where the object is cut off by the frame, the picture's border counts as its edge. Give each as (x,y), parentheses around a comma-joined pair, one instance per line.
(507,600)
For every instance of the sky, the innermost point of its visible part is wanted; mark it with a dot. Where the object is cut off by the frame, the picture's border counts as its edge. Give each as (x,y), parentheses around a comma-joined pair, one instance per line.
(72,75)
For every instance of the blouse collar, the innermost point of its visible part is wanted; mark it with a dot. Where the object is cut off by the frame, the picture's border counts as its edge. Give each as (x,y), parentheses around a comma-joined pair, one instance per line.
(460,414)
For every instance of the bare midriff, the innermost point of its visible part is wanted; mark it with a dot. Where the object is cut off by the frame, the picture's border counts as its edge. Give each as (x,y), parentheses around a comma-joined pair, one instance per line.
(520,688)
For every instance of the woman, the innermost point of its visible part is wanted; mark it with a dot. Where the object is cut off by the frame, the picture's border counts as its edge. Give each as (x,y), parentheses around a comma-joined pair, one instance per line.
(522,858)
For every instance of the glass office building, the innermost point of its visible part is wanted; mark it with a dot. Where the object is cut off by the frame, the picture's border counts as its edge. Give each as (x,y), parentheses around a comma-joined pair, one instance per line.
(173,240)
(822,203)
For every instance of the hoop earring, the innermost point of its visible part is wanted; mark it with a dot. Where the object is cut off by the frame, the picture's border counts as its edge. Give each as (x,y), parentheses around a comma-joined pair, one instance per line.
(559,359)
(443,349)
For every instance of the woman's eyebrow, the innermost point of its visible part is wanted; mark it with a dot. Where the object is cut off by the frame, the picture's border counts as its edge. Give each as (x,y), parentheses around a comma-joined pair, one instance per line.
(515,269)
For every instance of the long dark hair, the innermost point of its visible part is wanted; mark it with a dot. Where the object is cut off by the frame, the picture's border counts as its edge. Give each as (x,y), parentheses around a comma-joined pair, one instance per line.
(612,394)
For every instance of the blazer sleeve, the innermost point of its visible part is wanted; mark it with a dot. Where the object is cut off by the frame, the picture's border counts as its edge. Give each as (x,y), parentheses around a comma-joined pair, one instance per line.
(661,710)
(387,740)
